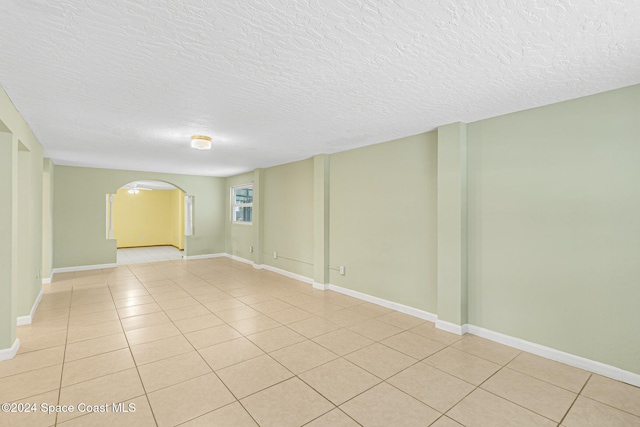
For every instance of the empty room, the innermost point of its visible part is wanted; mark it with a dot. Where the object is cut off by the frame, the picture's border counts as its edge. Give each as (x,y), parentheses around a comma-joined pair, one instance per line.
(340,213)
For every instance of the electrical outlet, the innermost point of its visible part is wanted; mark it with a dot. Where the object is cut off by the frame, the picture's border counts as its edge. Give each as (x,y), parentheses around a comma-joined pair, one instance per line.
(342,270)
(251,249)
(275,254)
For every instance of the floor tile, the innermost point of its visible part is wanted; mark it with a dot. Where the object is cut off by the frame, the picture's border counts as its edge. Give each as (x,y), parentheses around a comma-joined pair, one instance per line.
(413,345)
(538,396)
(613,393)
(230,352)
(483,409)
(288,404)
(374,329)
(343,341)
(138,310)
(399,409)
(339,380)
(93,318)
(335,418)
(565,376)
(380,360)
(181,313)
(30,383)
(446,422)
(143,321)
(489,350)
(188,400)
(437,389)
(370,310)
(313,327)
(276,338)
(140,417)
(111,388)
(344,317)
(233,415)
(212,336)
(172,370)
(151,333)
(253,375)
(43,341)
(96,366)
(400,320)
(301,357)
(198,323)
(463,365)
(270,306)
(429,330)
(160,349)
(254,325)
(290,315)
(35,417)
(81,333)
(589,413)
(33,360)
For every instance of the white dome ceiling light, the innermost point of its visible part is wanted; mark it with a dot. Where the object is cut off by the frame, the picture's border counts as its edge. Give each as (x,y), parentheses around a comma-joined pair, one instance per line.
(201,142)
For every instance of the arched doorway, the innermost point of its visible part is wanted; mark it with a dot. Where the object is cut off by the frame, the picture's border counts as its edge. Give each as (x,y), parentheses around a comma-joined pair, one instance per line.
(147,220)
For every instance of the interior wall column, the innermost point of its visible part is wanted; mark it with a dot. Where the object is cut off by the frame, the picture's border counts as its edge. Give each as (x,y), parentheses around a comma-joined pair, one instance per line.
(452,227)
(258,217)
(321,221)
(9,344)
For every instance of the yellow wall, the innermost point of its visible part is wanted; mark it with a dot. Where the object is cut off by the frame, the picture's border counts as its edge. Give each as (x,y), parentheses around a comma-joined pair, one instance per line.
(149,218)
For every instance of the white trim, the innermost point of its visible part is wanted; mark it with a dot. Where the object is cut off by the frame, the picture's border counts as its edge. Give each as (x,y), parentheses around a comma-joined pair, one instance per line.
(10,353)
(46,281)
(540,350)
(452,327)
(82,268)
(26,320)
(386,303)
(205,256)
(240,259)
(557,355)
(321,286)
(285,273)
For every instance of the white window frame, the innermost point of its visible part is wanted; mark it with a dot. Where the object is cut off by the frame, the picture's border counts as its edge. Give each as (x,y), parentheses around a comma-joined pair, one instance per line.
(235,205)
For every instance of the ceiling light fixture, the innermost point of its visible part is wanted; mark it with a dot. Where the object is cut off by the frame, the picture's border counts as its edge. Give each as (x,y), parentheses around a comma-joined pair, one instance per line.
(201,142)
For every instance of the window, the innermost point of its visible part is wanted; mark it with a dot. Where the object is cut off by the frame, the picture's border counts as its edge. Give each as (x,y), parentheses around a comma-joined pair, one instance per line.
(242,204)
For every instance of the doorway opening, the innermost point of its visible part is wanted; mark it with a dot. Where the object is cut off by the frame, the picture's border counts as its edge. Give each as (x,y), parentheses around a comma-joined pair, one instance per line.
(147,220)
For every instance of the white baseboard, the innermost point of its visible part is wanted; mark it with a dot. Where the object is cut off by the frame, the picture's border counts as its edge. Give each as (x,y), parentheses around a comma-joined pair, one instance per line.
(82,268)
(321,286)
(46,281)
(10,353)
(452,327)
(386,303)
(537,349)
(205,256)
(240,259)
(557,355)
(285,273)
(26,320)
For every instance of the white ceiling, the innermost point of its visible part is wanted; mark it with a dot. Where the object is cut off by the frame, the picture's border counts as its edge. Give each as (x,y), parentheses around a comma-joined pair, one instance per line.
(124,84)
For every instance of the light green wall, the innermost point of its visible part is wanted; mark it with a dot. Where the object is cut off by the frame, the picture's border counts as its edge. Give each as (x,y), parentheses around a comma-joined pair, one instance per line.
(554,226)
(20,219)
(79,213)
(287,192)
(383,220)
(48,178)
(239,237)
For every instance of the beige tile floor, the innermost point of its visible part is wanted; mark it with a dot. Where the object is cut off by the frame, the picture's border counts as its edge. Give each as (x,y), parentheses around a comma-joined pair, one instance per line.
(217,343)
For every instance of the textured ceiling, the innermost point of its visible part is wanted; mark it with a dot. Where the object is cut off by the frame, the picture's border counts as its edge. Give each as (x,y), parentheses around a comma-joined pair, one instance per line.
(124,84)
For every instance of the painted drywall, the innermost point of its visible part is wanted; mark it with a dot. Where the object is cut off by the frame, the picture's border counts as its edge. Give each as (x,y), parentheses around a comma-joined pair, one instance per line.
(20,219)
(176,207)
(239,237)
(287,192)
(148,218)
(80,213)
(48,179)
(554,226)
(383,220)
